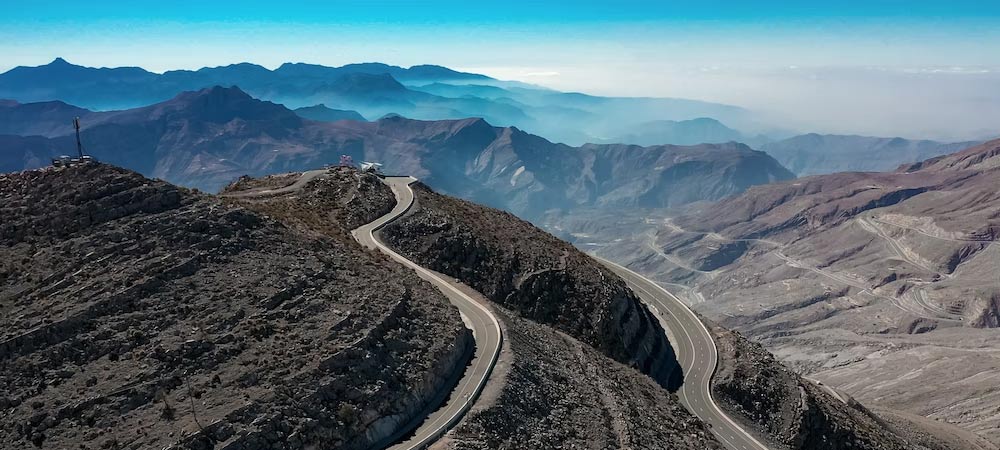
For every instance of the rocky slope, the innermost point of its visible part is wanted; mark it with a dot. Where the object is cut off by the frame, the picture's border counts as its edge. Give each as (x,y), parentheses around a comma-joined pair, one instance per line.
(208,138)
(815,154)
(550,389)
(883,285)
(562,393)
(332,205)
(540,277)
(136,314)
(792,412)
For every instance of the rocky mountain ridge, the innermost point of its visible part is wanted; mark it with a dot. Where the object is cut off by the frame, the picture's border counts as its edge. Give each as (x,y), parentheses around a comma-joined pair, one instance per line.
(207,138)
(795,413)
(322,113)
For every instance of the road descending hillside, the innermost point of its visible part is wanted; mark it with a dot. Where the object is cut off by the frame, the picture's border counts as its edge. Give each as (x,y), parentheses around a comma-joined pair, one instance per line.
(567,320)
(881,285)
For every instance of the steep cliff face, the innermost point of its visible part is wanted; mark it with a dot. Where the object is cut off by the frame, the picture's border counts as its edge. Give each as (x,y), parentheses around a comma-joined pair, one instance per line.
(135,314)
(531,272)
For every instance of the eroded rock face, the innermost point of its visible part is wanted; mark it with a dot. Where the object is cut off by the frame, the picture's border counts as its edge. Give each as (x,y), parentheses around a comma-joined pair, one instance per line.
(135,314)
(540,277)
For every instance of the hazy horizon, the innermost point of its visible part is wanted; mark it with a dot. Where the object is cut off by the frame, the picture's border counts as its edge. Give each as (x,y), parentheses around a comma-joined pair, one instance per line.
(913,69)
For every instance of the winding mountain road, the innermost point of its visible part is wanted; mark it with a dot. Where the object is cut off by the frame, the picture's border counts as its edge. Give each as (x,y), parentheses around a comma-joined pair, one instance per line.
(697,352)
(484,325)
(697,355)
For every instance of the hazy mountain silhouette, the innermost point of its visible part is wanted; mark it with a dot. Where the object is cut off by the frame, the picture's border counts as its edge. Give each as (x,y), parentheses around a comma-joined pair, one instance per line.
(372,89)
(815,154)
(684,132)
(207,138)
(323,114)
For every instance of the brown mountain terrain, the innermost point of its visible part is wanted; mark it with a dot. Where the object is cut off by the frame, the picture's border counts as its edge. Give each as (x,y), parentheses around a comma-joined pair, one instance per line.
(137,314)
(208,138)
(242,372)
(792,412)
(584,361)
(524,269)
(577,382)
(882,285)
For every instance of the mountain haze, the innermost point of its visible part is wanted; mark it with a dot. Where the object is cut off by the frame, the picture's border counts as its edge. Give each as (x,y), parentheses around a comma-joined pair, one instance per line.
(207,138)
(323,114)
(686,132)
(371,89)
(815,154)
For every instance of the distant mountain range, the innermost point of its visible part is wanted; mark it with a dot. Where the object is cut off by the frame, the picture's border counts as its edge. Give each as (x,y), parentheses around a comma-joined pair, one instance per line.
(684,132)
(208,138)
(815,154)
(323,114)
(373,90)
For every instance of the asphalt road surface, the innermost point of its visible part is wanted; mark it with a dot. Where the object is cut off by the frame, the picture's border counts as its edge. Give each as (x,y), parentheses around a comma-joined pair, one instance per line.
(483,323)
(697,354)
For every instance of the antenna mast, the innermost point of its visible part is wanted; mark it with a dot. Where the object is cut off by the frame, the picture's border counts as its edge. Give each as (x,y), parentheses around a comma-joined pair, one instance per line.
(79,146)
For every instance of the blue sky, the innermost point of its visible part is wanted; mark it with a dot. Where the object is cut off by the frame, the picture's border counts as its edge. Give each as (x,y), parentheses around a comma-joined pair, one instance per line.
(456,11)
(834,33)
(784,57)
(505,34)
